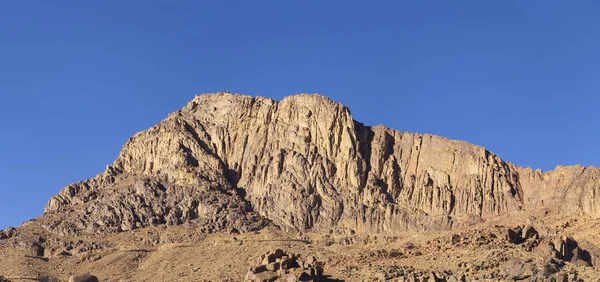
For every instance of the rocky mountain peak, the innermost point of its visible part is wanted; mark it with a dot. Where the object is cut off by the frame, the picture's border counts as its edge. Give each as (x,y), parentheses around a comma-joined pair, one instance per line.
(237,162)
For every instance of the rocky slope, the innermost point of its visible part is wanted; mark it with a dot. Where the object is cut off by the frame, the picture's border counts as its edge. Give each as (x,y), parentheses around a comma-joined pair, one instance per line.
(237,162)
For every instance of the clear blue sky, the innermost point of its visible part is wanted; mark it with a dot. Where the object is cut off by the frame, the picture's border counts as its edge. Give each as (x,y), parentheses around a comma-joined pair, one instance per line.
(78,78)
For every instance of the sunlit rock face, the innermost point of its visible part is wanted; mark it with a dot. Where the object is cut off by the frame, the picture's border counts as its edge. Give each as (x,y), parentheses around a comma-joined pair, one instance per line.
(236,162)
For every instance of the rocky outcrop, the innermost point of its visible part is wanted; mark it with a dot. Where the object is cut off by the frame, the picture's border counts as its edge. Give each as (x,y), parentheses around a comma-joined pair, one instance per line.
(567,190)
(126,201)
(281,266)
(304,163)
(7,233)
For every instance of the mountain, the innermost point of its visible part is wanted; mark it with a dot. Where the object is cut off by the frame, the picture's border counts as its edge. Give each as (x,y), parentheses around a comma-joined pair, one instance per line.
(229,163)
(305,164)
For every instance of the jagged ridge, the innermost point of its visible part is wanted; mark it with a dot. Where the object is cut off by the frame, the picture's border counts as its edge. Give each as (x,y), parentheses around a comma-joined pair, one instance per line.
(304,163)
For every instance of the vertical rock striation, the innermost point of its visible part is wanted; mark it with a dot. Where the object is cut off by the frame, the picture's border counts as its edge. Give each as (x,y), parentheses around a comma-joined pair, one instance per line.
(305,163)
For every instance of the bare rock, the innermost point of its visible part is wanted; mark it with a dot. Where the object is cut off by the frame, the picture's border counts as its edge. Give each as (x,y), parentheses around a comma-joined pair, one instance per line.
(542,270)
(278,253)
(285,268)
(265,276)
(514,235)
(529,232)
(223,160)
(547,250)
(519,270)
(547,267)
(85,277)
(32,247)
(274,266)
(8,233)
(456,278)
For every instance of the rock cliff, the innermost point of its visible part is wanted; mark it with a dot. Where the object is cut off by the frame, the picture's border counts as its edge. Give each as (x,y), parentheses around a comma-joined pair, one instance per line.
(237,162)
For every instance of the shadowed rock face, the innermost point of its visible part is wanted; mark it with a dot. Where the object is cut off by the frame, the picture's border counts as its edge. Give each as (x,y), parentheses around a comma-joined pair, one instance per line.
(231,161)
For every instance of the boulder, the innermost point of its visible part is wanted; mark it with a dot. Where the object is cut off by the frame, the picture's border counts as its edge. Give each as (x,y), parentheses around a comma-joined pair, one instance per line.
(33,247)
(274,266)
(529,233)
(570,241)
(280,266)
(545,250)
(287,263)
(575,254)
(519,270)
(268,258)
(304,276)
(547,267)
(558,246)
(539,270)
(514,236)
(84,277)
(581,262)
(265,276)
(10,232)
(278,253)
(438,277)
(581,257)
(456,278)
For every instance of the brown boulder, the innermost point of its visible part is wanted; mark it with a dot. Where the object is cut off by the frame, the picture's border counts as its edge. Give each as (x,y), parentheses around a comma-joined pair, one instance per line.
(546,250)
(85,277)
(287,263)
(265,276)
(514,236)
(558,246)
(519,270)
(456,278)
(33,247)
(529,233)
(274,266)
(278,253)
(581,262)
(268,258)
(281,266)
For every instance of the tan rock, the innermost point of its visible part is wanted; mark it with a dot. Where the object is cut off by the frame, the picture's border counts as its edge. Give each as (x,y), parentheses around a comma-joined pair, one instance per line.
(86,277)
(305,163)
(529,232)
(265,276)
(546,250)
(274,266)
(269,258)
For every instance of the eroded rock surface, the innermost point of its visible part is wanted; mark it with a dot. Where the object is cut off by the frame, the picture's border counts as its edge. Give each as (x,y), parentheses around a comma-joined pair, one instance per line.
(235,162)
